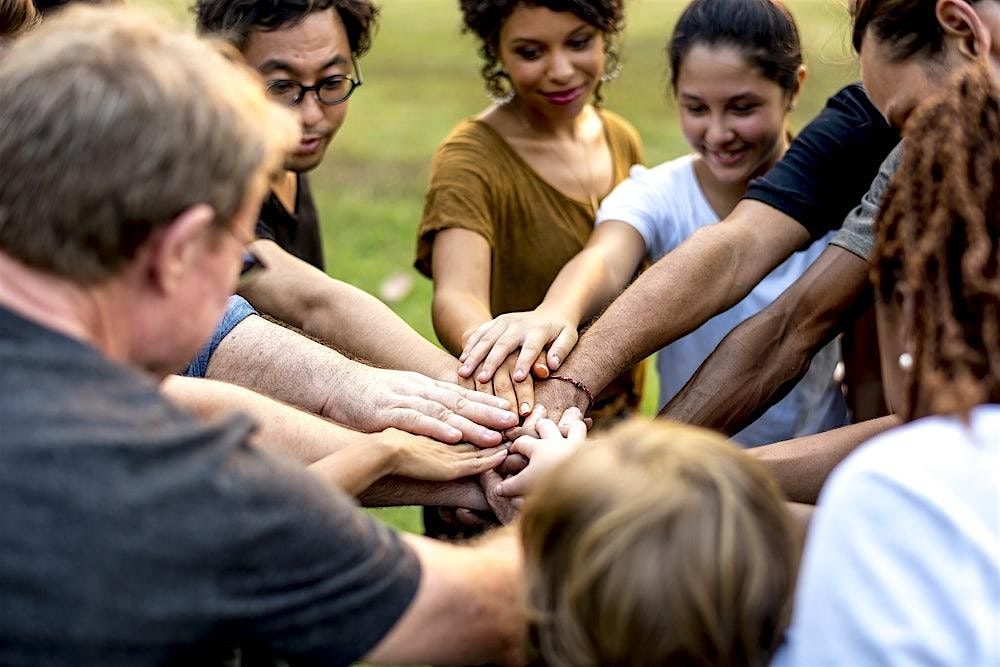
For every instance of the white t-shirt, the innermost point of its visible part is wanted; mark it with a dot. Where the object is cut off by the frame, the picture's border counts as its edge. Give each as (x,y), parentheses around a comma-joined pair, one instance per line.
(902,562)
(666,205)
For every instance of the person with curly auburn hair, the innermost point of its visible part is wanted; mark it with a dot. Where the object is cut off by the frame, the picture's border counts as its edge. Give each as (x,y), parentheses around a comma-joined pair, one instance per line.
(902,563)
(686,555)
(514,191)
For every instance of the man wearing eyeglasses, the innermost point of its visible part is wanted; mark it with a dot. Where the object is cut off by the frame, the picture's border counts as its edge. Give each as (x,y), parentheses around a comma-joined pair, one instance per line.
(307,54)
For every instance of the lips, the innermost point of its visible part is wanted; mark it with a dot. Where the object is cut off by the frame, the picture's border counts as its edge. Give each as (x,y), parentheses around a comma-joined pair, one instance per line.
(726,158)
(564,97)
(309,145)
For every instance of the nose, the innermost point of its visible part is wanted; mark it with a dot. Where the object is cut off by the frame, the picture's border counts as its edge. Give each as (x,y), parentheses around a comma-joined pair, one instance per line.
(719,133)
(310,111)
(560,67)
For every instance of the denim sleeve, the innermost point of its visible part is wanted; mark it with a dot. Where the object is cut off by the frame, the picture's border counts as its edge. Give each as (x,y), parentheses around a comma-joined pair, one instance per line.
(237,310)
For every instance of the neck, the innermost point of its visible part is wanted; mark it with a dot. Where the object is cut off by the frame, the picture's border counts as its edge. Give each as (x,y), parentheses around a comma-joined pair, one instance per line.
(285,189)
(89,314)
(541,126)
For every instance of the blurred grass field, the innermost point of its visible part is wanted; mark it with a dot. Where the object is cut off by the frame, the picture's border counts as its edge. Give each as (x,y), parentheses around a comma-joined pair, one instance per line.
(421,77)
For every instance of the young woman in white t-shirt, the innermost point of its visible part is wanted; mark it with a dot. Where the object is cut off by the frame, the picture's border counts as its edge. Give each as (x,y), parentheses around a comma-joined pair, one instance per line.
(736,70)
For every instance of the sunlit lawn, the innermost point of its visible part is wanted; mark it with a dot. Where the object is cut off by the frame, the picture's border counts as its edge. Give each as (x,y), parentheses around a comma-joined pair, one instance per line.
(422,76)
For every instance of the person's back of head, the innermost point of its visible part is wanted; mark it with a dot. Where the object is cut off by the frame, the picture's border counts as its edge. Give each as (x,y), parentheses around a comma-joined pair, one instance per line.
(937,256)
(113,125)
(235,20)
(658,544)
(16,16)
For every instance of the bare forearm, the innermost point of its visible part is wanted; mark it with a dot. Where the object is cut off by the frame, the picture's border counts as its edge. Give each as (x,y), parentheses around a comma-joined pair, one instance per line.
(280,363)
(585,285)
(454,313)
(468,609)
(802,465)
(715,268)
(395,491)
(281,428)
(762,359)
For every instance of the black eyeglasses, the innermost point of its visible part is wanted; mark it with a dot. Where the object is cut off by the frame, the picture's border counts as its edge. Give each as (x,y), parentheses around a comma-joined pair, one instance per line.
(330,91)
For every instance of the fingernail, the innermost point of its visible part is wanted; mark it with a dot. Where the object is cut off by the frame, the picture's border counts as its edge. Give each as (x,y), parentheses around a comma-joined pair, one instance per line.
(525,408)
(464,370)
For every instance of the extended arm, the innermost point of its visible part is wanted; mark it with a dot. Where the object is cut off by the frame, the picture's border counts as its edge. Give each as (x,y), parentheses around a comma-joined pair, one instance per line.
(802,465)
(282,364)
(712,270)
(346,317)
(347,459)
(759,361)
(468,609)
(461,269)
(595,276)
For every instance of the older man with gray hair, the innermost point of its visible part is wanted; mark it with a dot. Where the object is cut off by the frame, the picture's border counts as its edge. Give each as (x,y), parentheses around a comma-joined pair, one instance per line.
(133,162)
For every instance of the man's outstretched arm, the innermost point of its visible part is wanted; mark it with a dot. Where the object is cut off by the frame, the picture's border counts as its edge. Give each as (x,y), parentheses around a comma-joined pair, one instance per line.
(341,315)
(708,273)
(282,364)
(759,361)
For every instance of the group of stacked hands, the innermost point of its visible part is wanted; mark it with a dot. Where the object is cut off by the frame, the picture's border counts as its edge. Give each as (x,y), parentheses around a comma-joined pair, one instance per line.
(136,533)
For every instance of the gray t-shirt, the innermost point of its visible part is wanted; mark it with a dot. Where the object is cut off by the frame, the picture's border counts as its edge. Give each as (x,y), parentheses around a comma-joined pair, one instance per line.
(134,535)
(857,234)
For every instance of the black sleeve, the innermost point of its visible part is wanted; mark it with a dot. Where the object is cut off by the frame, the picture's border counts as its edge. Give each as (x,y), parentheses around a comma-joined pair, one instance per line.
(318,581)
(830,165)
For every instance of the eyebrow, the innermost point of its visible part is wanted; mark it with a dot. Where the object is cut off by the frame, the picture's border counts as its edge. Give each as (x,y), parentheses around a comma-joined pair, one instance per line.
(573,33)
(274,64)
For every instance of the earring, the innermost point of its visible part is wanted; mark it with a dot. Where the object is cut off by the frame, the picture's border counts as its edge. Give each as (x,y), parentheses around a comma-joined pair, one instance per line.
(612,73)
(906,361)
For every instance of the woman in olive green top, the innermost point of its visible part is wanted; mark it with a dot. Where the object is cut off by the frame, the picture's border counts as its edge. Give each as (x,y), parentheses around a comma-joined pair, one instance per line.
(514,192)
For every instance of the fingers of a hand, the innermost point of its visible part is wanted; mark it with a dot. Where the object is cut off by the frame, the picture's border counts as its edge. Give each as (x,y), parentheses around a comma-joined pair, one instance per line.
(577,431)
(570,417)
(525,445)
(539,368)
(491,411)
(475,354)
(531,348)
(469,391)
(517,485)
(513,464)
(414,421)
(548,429)
(525,392)
(503,386)
(528,426)
(471,339)
(561,347)
(503,348)
(468,518)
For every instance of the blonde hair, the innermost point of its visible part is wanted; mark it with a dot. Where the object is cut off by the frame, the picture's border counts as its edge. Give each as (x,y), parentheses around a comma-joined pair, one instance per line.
(113,125)
(16,16)
(660,544)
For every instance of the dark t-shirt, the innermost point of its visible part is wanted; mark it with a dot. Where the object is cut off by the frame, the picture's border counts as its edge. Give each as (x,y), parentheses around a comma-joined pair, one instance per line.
(830,165)
(134,535)
(298,232)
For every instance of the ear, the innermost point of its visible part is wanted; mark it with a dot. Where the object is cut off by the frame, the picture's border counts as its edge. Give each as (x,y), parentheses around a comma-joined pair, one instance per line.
(964,28)
(178,246)
(800,78)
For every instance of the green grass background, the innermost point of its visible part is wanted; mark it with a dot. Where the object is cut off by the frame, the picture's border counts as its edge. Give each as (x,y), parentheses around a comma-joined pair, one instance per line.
(421,77)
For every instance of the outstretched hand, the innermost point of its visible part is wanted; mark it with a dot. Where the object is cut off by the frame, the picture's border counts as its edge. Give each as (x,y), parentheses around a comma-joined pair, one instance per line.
(415,403)
(555,443)
(491,343)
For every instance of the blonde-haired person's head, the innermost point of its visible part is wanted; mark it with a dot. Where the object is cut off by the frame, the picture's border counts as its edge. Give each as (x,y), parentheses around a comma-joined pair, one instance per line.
(16,16)
(114,123)
(659,544)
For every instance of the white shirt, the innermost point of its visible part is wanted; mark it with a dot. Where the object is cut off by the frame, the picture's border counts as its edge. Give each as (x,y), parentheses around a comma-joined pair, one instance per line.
(902,562)
(666,205)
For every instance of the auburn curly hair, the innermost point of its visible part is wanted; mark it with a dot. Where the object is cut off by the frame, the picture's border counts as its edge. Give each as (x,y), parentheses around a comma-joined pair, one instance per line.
(938,245)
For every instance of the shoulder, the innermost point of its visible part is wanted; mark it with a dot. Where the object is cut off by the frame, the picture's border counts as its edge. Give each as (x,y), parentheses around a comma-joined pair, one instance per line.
(621,132)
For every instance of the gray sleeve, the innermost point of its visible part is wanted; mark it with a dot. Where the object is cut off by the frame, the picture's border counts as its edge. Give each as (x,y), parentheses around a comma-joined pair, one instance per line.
(857,234)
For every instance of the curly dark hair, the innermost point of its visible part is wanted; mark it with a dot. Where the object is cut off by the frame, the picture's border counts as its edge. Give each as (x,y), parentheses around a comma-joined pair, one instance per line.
(486,17)
(235,20)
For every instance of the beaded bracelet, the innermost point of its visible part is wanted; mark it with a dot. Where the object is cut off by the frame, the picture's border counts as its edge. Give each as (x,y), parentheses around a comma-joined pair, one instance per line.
(579,385)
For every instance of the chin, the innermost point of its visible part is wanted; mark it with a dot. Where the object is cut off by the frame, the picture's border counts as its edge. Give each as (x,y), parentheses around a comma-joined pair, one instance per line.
(303,163)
